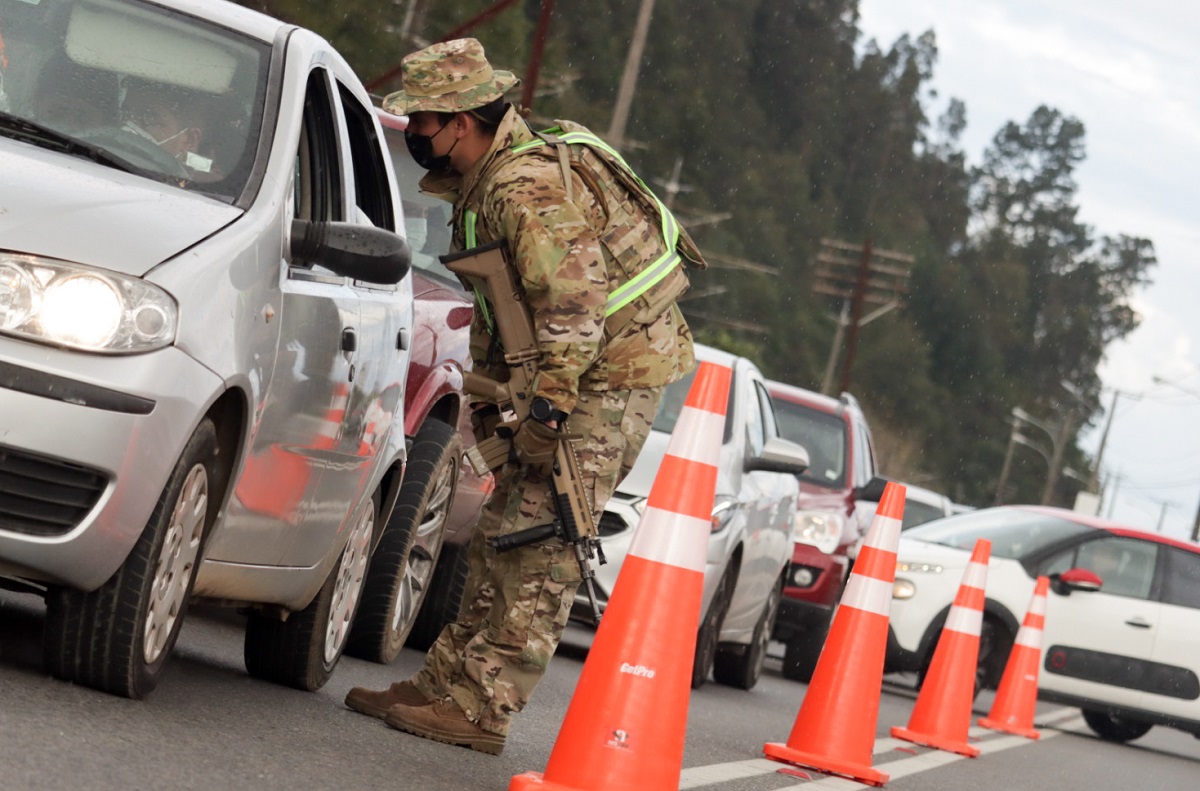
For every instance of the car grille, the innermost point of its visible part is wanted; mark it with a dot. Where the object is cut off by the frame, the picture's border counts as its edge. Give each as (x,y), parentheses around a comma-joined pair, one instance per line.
(44,497)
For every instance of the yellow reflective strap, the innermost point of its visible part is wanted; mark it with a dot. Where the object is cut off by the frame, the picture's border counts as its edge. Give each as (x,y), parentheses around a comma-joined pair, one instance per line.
(642,282)
(469,234)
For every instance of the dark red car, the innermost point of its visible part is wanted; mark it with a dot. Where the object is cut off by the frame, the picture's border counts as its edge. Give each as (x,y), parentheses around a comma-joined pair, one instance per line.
(838,495)
(441,496)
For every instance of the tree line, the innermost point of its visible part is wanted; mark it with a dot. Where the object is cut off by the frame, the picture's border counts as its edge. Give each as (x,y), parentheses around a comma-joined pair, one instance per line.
(785,122)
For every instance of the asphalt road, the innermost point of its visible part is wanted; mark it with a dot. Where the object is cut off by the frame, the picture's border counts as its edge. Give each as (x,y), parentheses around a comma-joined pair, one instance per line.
(210,726)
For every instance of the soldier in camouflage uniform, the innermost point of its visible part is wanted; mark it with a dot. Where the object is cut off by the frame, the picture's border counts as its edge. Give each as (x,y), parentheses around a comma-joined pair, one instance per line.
(603,374)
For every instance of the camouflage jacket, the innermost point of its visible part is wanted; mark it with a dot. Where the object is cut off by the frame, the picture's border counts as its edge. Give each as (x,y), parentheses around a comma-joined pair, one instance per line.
(553,243)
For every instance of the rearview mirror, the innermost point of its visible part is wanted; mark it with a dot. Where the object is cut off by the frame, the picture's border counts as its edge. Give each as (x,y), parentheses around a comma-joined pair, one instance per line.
(1082,580)
(362,252)
(779,455)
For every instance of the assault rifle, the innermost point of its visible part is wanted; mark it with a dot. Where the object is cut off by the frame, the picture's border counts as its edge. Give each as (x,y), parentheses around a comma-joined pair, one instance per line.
(485,270)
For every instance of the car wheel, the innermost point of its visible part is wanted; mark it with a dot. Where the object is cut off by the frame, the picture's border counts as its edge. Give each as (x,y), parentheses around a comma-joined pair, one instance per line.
(994,645)
(801,652)
(302,651)
(445,597)
(1113,728)
(404,563)
(117,638)
(710,627)
(741,666)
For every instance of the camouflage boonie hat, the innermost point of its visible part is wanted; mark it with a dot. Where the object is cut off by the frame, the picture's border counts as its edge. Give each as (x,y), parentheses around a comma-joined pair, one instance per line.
(448,77)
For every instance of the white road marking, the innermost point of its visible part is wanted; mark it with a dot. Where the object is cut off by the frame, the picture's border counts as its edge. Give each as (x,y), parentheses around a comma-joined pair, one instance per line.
(988,742)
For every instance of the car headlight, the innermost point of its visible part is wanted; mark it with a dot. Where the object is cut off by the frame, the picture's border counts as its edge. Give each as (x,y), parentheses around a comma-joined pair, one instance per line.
(903,588)
(83,308)
(821,529)
(722,513)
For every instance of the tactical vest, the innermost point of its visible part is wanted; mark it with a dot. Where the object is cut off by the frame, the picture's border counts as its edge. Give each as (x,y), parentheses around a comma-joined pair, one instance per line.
(643,288)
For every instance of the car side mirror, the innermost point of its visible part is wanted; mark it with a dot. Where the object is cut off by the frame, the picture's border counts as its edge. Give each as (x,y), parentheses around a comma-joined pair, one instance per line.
(872,490)
(1079,579)
(361,252)
(779,455)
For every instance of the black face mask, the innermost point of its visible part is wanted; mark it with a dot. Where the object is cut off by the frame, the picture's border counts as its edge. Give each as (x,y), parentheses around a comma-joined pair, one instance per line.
(420,147)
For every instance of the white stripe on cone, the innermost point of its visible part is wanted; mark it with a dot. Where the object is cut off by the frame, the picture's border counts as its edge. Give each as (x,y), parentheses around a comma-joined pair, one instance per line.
(884,533)
(965,620)
(674,539)
(1029,637)
(868,594)
(697,436)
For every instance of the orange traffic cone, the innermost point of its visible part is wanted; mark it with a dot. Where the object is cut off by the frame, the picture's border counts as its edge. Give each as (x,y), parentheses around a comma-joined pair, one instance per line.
(835,729)
(626,724)
(941,717)
(1016,698)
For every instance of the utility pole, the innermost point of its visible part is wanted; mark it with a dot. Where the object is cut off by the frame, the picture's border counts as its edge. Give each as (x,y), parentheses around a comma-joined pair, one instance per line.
(633,60)
(858,275)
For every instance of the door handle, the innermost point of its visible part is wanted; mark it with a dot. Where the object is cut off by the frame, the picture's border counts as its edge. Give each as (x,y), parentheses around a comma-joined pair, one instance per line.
(1138,622)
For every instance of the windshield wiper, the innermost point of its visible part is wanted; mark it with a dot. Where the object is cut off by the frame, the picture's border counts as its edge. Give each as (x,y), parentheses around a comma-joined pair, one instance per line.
(32,132)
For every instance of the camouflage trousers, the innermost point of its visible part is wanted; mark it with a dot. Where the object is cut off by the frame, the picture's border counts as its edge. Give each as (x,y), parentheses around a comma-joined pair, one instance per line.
(516,603)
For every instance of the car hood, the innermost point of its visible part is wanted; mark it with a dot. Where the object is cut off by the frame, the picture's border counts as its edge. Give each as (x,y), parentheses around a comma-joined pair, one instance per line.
(915,550)
(75,210)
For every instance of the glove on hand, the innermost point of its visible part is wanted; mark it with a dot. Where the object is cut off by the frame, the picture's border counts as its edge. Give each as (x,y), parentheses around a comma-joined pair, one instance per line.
(534,444)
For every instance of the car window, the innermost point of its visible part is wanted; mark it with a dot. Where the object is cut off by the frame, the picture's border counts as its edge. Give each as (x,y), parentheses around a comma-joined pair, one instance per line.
(1014,533)
(755,428)
(917,513)
(318,187)
(1181,583)
(426,218)
(1126,565)
(372,194)
(824,437)
(152,91)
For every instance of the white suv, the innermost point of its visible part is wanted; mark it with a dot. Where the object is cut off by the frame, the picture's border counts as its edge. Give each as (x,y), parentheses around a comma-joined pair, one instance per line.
(752,517)
(1122,630)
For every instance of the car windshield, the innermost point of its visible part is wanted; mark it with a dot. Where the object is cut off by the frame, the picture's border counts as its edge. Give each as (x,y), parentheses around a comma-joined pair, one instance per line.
(1014,533)
(824,437)
(135,86)
(672,404)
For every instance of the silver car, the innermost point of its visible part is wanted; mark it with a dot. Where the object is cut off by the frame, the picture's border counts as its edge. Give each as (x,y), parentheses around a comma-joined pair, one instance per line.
(750,544)
(204,320)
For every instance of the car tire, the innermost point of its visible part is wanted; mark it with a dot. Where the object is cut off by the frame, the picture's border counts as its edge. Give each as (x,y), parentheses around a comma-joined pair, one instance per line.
(303,650)
(404,564)
(995,643)
(1112,728)
(801,652)
(741,666)
(445,598)
(710,627)
(117,638)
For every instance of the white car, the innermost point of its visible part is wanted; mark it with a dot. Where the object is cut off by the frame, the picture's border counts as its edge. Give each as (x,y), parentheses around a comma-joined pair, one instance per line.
(752,517)
(1122,630)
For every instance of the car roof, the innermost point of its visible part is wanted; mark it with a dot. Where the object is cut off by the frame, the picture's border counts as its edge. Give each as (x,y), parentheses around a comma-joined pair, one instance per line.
(810,398)
(710,354)
(230,15)
(1116,528)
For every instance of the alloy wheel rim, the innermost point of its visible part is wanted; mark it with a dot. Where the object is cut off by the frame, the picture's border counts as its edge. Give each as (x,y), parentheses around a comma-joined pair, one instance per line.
(351,576)
(176,563)
(422,558)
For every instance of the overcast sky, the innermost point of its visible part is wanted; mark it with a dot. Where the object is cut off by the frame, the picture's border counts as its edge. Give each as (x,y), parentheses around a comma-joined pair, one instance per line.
(1131,73)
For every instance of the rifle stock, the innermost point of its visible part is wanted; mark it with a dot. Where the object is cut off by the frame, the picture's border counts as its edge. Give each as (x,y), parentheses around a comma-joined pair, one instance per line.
(485,270)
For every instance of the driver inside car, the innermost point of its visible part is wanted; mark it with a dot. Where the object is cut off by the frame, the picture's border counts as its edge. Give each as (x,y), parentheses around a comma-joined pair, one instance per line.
(172,118)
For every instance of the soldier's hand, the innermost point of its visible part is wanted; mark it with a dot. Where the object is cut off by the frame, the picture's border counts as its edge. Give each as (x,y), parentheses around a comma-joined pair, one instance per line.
(534,444)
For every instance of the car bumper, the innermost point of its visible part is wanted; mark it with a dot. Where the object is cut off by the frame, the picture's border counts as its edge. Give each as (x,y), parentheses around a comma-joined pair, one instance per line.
(92,440)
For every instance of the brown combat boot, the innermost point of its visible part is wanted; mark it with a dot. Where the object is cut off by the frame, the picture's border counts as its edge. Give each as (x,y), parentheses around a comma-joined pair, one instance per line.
(376,704)
(444,722)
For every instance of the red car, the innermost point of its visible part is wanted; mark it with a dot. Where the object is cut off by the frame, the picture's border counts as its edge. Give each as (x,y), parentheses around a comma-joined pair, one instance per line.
(838,495)
(418,573)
